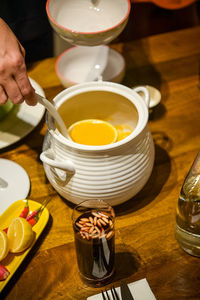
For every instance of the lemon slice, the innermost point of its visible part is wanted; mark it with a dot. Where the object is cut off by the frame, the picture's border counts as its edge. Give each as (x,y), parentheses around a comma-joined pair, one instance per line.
(20,235)
(123,131)
(4,248)
(93,132)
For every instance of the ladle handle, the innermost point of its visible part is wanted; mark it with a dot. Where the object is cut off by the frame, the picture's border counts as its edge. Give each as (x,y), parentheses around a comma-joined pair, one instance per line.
(145,91)
(52,110)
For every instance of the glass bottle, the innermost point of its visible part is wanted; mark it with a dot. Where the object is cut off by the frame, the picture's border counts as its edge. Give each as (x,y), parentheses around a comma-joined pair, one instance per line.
(188,211)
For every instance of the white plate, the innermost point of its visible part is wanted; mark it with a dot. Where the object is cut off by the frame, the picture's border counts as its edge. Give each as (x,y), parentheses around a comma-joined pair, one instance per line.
(18,183)
(21,120)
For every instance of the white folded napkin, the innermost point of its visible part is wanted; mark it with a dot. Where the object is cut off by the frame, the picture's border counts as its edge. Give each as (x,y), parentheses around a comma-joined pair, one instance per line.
(140,290)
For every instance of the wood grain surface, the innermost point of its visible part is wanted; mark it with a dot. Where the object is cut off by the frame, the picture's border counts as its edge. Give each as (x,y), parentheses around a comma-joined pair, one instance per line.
(145,242)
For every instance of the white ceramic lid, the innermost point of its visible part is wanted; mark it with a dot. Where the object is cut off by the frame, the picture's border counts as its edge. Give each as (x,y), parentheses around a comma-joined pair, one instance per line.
(14,183)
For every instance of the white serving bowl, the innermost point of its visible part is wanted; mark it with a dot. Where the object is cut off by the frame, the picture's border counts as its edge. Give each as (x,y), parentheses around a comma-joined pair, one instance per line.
(88,22)
(74,64)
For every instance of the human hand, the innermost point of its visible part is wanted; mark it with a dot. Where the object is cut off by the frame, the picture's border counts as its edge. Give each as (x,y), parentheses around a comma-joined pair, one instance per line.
(14,81)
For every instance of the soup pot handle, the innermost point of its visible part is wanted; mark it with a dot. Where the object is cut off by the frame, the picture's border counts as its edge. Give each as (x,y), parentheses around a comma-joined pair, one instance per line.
(145,91)
(66,165)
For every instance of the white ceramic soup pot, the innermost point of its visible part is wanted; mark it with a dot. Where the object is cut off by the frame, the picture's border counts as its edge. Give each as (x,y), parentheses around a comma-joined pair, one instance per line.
(113,173)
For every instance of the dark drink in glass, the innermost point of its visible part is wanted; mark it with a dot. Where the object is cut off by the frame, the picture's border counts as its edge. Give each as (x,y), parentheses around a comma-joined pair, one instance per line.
(93,223)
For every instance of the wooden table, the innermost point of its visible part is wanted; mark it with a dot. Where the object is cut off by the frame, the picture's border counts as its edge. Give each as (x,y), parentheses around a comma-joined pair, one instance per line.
(145,243)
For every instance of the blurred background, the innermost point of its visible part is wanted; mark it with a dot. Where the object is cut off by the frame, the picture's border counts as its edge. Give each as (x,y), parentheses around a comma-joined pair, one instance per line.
(150,18)
(29,22)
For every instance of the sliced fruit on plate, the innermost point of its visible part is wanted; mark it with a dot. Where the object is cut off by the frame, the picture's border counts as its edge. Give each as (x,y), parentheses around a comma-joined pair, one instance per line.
(20,235)
(4,248)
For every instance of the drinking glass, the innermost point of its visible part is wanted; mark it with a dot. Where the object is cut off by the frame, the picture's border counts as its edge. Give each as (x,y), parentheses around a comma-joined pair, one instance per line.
(188,211)
(93,224)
